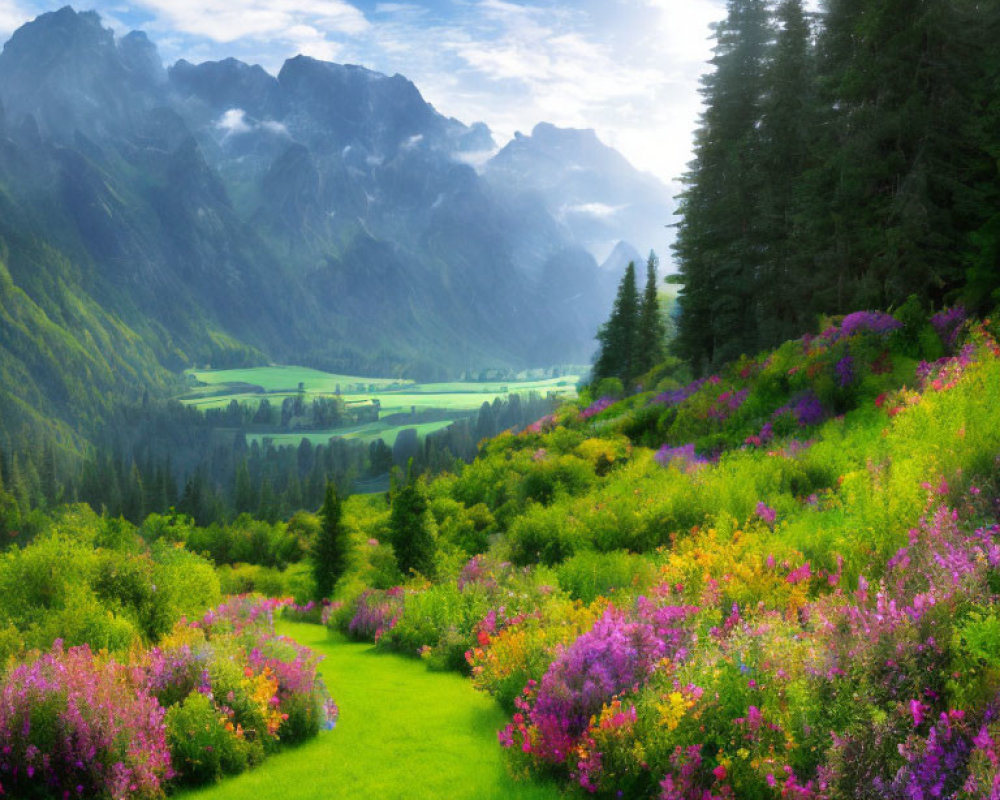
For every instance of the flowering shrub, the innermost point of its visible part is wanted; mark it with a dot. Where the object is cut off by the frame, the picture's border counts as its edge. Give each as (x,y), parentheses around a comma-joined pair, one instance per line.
(612,657)
(235,689)
(683,457)
(862,321)
(674,397)
(596,407)
(308,612)
(75,725)
(375,613)
(948,323)
(214,697)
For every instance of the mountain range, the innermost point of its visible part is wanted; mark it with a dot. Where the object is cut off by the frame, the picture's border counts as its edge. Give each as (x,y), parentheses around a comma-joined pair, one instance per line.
(153,218)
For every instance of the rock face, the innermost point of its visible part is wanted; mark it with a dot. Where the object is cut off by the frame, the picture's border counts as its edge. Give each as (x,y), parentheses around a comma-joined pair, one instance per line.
(324,216)
(588,186)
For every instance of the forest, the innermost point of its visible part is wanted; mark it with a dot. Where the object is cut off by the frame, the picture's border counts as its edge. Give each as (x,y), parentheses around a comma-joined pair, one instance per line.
(844,161)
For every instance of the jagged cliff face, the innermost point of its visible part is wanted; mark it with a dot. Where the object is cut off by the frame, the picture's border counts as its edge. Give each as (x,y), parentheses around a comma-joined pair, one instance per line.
(324,215)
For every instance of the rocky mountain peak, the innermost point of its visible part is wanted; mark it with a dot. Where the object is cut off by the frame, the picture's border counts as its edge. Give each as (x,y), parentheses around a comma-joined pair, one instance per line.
(66,70)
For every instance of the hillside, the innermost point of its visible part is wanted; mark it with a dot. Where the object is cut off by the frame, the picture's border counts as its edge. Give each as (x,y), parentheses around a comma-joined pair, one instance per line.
(216,214)
(779,580)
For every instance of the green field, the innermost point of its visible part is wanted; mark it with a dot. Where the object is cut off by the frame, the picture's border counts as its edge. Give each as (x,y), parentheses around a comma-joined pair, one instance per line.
(218,388)
(281,378)
(364,433)
(404,732)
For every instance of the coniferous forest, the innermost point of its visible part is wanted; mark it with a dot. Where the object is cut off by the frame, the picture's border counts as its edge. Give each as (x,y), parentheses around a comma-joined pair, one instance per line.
(754,553)
(845,160)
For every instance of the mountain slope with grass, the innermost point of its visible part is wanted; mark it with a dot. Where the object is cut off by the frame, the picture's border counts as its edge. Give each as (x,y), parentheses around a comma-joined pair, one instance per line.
(779,580)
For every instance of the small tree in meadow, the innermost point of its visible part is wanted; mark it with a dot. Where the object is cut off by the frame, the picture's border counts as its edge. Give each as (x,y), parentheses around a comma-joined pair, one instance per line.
(330,553)
(410,529)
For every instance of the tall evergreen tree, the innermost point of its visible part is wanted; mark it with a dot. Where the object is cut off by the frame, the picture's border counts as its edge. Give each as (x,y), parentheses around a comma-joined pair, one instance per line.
(894,198)
(789,125)
(717,245)
(618,336)
(651,336)
(243,495)
(329,556)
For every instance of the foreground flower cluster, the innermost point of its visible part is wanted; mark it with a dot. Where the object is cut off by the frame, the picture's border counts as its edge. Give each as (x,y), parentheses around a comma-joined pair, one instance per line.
(213,698)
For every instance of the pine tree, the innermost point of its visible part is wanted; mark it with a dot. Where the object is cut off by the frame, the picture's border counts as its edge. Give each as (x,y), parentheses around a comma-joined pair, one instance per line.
(409,529)
(651,336)
(618,336)
(789,125)
(329,557)
(717,245)
(243,496)
(897,191)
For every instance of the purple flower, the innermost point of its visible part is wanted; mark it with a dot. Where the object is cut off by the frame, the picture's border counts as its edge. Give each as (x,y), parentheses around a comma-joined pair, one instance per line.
(597,407)
(682,457)
(766,513)
(806,409)
(873,321)
(845,370)
(674,397)
(948,323)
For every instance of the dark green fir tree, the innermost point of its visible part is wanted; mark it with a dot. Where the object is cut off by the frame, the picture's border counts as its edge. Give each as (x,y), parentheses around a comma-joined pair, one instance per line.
(616,357)
(330,553)
(651,336)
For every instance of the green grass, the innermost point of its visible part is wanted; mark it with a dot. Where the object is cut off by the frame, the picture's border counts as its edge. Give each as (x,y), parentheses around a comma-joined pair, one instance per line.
(404,732)
(276,378)
(365,433)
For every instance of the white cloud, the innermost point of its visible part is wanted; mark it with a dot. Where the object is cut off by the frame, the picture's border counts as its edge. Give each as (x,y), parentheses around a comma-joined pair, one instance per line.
(277,128)
(408,9)
(233,122)
(307,40)
(12,17)
(476,158)
(599,210)
(229,20)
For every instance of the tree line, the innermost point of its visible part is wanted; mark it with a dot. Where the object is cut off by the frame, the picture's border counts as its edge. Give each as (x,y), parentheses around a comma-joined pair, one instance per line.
(845,160)
(157,456)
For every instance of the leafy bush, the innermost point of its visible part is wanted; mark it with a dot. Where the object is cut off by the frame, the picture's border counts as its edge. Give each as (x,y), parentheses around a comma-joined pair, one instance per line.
(203,749)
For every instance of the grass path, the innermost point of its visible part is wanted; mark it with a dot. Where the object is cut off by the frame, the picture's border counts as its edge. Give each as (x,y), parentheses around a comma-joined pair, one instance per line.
(404,732)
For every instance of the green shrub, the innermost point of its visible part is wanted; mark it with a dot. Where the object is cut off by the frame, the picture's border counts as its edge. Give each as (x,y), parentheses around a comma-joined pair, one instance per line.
(587,576)
(201,748)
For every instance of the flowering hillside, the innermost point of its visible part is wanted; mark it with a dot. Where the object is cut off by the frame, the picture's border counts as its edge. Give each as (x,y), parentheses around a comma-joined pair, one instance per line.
(777,581)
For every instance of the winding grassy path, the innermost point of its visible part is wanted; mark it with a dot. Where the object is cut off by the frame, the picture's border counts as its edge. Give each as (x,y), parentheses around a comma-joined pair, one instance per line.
(404,732)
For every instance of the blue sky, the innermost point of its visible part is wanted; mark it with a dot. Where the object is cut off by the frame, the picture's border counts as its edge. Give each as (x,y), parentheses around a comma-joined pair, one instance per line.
(627,68)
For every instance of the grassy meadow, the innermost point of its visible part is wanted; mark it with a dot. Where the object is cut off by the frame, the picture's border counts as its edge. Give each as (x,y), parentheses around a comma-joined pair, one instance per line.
(210,389)
(436,735)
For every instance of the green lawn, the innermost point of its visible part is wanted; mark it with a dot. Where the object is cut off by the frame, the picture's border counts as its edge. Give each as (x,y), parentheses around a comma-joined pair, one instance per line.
(404,732)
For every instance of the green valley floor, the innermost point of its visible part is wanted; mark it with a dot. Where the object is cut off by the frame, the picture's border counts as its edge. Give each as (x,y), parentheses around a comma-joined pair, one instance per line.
(403,732)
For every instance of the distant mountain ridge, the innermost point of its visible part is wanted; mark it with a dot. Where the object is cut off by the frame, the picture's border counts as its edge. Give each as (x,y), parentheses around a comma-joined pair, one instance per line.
(214,213)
